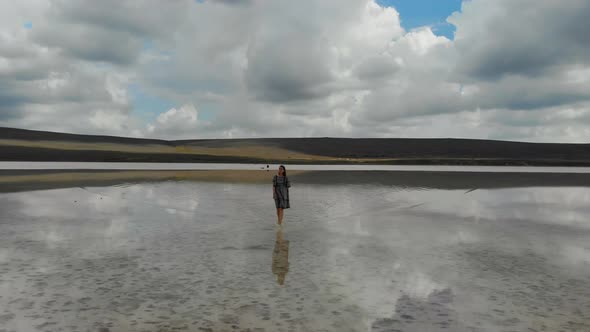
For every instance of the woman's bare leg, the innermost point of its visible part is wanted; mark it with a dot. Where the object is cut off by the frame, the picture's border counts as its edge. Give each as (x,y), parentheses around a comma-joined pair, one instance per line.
(278,216)
(281,212)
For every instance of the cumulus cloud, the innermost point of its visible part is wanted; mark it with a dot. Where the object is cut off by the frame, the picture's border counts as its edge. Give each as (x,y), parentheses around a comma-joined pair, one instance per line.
(530,38)
(107,31)
(177,123)
(47,87)
(515,70)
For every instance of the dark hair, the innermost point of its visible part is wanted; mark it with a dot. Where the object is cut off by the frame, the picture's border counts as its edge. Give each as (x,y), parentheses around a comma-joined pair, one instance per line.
(284,170)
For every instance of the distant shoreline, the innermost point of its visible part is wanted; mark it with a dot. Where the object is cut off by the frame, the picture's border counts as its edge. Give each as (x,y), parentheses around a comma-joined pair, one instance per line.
(31,146)
(44,166)
(56,155)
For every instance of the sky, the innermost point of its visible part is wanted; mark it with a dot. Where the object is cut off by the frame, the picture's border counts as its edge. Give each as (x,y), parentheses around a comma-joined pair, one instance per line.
(431,13)
(501,69)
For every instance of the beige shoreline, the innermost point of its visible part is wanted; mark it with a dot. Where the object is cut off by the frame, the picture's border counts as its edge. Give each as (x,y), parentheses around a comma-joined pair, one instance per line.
(237,176)
(245,150)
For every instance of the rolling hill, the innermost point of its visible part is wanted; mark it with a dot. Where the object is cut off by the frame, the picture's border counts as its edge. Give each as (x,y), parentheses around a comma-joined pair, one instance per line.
(29,145)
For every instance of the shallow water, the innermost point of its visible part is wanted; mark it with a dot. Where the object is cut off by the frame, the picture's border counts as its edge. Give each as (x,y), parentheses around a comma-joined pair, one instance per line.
(366,256)
(51,165)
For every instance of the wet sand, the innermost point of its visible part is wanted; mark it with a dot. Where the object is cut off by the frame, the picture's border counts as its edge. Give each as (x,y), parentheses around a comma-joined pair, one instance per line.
(361,251)
(23,180)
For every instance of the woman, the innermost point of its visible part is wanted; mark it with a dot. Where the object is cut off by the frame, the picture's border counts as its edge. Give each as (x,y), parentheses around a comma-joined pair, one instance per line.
(280,192)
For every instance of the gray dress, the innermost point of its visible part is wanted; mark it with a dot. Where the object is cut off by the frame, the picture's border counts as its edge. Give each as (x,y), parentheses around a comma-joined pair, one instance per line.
(281,186)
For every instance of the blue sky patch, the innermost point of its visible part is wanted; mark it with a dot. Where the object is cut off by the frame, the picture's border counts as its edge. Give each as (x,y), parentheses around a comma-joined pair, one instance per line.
(148,45)
(147,106)
(433,13)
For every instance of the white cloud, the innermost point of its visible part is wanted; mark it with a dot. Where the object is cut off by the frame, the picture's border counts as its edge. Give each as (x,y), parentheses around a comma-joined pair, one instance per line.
(528,37)
(305,68)
(181,122)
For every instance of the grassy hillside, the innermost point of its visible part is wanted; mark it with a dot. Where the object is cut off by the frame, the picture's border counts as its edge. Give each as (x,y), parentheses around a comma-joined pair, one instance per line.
(27,145)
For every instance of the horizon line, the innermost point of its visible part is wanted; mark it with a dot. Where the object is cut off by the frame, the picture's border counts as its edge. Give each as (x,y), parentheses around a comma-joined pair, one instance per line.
(278,138)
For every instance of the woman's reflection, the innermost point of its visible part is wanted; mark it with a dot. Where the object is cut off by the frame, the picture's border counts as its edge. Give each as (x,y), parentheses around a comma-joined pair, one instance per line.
(280,257)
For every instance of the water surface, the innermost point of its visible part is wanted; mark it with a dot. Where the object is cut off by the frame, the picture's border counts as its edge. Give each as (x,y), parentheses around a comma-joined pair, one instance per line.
(26,165)
(364,251)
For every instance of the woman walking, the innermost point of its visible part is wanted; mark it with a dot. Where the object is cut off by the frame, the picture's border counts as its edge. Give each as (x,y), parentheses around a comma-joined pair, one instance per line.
(280,192)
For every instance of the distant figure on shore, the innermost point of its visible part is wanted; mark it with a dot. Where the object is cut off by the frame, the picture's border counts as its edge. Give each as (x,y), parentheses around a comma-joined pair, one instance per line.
(280,192)
(280,258)
(267,168)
